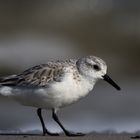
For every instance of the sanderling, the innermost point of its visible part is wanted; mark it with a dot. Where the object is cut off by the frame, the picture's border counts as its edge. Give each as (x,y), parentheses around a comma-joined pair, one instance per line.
(55,85)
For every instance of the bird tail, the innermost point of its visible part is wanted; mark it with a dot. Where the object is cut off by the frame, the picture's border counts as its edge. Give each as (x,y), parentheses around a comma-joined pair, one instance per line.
(8,80)
(6,84)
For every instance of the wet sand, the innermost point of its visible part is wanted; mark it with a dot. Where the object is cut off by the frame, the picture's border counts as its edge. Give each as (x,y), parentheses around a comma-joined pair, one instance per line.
(88,137)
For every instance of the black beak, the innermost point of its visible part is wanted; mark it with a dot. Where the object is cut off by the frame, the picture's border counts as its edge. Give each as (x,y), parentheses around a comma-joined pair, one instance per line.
(110,81)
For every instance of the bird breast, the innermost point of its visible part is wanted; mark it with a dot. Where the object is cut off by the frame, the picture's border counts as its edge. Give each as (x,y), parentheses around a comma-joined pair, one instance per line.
(70,90)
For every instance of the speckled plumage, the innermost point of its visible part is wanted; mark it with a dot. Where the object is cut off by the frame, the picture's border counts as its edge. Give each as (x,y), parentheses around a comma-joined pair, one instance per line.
(54,84)
(41,75)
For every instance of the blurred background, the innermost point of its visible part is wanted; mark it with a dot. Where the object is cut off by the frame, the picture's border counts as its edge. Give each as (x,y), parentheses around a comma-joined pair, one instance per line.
(34,32)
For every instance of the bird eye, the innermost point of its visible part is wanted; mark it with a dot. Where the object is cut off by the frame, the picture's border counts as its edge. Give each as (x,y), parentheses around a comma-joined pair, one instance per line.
(96,67)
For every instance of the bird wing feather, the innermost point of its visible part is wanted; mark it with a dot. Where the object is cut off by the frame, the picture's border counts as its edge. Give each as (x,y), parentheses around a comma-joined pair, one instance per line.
(38,76)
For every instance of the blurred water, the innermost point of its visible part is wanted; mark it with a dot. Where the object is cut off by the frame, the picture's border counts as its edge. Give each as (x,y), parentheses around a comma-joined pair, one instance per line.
(33,32)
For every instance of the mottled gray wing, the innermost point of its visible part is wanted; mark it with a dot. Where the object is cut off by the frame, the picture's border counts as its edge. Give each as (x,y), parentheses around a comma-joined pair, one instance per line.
(38,76)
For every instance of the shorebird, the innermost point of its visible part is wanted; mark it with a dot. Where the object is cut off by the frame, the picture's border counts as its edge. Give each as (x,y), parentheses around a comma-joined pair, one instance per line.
(54,85)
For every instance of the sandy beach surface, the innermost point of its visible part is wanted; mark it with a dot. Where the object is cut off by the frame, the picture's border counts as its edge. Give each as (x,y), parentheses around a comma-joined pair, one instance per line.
(88,137)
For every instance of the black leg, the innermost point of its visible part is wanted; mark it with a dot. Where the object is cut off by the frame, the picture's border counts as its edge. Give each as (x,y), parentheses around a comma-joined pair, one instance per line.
(45,131)
(65,131)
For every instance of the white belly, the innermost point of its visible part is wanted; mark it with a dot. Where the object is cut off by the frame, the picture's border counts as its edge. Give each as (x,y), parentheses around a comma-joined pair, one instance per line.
(28,96)
(69,91)
(57,95)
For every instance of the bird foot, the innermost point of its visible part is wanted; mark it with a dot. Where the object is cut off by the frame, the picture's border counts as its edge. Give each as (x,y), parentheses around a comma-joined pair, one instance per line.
(49,133)
(72,134)
(135,137)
